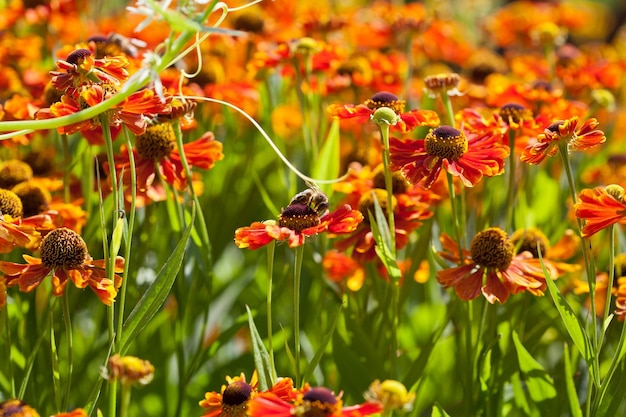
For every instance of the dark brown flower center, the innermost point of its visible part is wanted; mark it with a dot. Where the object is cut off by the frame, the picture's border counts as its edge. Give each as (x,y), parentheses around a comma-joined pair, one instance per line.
(319,402)
(35,198)
(446,142)
(385,99)
(77,57)
(399,184)
(554,126)
(63,248)
(515,113)
(236,393)
(530,240)
(14,171)
(157,143)
(249,22)
(10,203)
(492,248)
(367,205)
(16,408)
(298,217)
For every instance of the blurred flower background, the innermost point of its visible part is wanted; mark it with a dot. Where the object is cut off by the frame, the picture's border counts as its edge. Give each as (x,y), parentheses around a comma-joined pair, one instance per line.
(318,195)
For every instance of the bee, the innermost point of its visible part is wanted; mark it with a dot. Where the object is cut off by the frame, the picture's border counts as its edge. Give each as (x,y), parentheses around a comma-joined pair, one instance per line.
(128,45)
(312,197)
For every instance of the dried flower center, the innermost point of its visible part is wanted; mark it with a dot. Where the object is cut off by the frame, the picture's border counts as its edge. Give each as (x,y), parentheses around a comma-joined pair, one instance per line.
(157,143)
(41,163)
(399,184)
(14,171)
(366,203)
(236,393)
(492,248)
(298,217)
(442,82)
(35,198)
(515,113)
(10,203)
(63,248)
(385,99)
(446,142)
(320,402)
(530,240)
(78,56)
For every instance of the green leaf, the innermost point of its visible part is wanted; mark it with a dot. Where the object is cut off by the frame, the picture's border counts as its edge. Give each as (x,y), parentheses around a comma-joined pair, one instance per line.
(155,295)
(320,351)
(571,322)
(538,382)
(382,237)
(326,165)
(572,396)
(265,372)
(438,411)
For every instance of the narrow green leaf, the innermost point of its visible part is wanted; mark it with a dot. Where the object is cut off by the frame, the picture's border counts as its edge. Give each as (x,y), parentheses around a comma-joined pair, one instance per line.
(538,382)
(572,396)
(155,295)
(613,401)
(262,362)
(571,322)
(326,165)
(438,411)
(56,372)
(382,248)
(320,351)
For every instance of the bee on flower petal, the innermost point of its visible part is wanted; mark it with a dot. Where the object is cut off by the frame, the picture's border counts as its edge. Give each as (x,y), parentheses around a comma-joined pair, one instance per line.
(313,198)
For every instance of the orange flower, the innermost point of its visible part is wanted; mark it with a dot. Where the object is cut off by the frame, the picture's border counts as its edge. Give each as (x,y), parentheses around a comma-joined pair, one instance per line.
(463,153)
(81,66)
(620,302)
(79,412)
(22,233)
(17,408)
(563,132)
(492,267)
(312,401)
(64,254)
(362,113)
(156,149)
(296,223)
(600,207)
(341,268)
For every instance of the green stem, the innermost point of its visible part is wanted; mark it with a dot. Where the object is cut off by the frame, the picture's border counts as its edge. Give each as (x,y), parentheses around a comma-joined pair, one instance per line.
(125,399)
(589,266)
(70,349)
(609,288)
(469,347)
(9,354)
(270,274)
(67,161)
(299,255)
(384,133)
(447,103)
(510,203)
(127,247)
(455,217)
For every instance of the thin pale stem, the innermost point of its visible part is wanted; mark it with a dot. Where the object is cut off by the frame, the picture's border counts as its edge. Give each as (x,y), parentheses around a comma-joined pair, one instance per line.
(609,288)
(67,160)
(510,202)
(384,133)
(70,349)
(125,399)
(455,217)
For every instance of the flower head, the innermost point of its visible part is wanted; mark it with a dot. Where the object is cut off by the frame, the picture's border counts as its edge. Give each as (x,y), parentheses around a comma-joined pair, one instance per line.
(17,408)
(406,121)
(442,84)
(296,222)
(392,394)
(10,203)
(492,267)
(564,132)
(233,398)
(312,402)
(600,207)
(63,253)
(465,154)
(129,370)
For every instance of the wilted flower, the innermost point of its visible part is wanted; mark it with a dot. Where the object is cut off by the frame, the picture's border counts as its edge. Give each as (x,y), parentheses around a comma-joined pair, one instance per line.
(129,370)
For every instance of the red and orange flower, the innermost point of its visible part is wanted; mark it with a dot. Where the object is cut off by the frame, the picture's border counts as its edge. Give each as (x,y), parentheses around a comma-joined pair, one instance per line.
(311,401)
(492,267)
(296,223)
(567,133)
(64,255)
(600,208)
(468,155)
(362,113)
